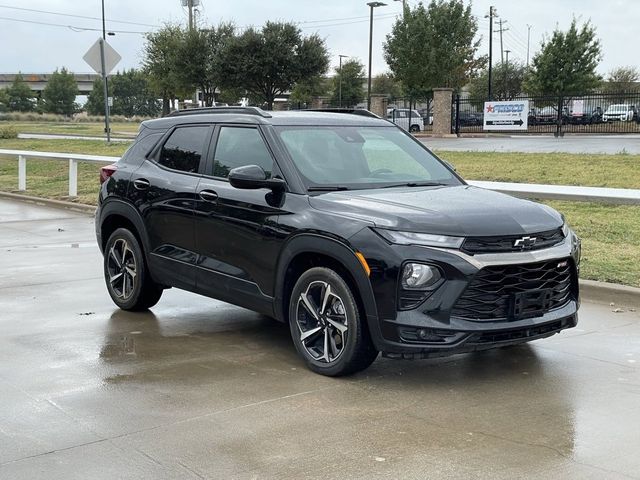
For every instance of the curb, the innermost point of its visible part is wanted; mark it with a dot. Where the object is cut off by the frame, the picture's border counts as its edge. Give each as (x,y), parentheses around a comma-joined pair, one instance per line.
(47,202)
(608,293)
(594,291)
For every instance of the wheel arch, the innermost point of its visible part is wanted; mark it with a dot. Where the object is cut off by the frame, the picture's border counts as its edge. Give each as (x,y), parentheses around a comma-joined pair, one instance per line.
(305,251)
(118,214)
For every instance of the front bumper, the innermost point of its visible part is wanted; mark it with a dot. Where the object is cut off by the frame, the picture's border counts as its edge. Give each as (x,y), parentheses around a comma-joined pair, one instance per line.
(432,329)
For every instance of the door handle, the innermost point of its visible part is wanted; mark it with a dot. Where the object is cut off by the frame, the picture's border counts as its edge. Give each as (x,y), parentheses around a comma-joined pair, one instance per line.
(141,184)
(208,195)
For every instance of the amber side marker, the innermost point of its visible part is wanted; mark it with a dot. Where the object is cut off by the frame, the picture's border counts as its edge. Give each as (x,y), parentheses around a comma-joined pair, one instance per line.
(364,263)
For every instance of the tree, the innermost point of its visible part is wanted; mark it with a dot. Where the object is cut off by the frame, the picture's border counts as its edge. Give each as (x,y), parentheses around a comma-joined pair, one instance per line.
(131,95)
(566,63)
(269,62)
(434,47)
(199,61)
(622,79)
(305,91)
(161,59)
(95,99)
(60,93)
(20,96)
(352,76)
(507,82)
(386,84)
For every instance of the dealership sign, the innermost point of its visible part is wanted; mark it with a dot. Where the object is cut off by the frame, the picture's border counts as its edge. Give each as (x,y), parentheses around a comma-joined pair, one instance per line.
(512,115)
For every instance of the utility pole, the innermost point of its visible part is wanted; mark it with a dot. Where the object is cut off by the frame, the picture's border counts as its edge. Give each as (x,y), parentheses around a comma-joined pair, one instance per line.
(371,5)
(502,29)
(340,82)
(190,7)
(492,13)
(506,74)
(528,42)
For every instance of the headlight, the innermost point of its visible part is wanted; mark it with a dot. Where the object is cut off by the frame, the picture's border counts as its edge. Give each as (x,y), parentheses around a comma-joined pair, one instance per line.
(426,239)
(418,276)
(566,231)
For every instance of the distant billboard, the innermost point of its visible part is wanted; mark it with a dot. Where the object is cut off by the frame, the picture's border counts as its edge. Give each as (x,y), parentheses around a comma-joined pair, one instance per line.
(509,115)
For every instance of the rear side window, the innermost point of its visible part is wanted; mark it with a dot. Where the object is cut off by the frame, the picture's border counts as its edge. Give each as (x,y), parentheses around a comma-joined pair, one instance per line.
(238,147)
(184,149)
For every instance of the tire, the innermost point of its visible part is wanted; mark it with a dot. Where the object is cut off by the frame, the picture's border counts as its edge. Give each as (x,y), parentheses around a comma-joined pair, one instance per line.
(414,129)
(125,272)
(336,344)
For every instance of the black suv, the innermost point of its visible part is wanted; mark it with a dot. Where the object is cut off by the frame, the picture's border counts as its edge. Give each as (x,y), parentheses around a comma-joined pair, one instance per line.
(341,225)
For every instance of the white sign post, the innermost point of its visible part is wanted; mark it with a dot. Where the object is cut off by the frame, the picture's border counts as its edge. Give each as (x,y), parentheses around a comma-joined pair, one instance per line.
(510,115)
(103,59)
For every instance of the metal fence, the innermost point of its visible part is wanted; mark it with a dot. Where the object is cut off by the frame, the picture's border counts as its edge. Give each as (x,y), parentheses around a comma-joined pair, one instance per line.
(607,113)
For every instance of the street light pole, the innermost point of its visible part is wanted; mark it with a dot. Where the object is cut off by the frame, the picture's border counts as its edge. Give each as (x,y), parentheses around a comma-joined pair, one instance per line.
(506,73)
(372,5)
(492,13)
(340,81)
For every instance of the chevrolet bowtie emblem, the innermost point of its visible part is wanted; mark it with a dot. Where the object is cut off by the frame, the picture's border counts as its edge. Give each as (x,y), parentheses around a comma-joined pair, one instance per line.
(525,242)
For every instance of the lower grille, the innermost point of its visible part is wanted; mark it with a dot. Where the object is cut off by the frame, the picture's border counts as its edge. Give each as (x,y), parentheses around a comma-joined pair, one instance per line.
(499,292)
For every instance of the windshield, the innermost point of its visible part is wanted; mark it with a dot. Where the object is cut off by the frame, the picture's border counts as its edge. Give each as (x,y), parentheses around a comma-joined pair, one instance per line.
(618,108)
(361,157)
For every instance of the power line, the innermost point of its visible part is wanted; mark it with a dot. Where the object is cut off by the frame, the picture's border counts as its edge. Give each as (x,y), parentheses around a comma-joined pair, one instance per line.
(70,27)
(77,16)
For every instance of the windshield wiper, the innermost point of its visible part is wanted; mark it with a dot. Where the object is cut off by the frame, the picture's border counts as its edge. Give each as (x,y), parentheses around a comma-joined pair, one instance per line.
(328,188)
(416,184)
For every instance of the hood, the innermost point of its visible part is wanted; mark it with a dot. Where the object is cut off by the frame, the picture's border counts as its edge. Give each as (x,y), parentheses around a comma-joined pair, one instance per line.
(458,210)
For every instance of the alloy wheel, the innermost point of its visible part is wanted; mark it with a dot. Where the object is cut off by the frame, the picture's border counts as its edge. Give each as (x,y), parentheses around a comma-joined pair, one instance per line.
(322,322)
(122,269)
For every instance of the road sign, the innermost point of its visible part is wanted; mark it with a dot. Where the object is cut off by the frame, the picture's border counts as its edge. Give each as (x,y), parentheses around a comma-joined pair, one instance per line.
(511,115)
(111,57)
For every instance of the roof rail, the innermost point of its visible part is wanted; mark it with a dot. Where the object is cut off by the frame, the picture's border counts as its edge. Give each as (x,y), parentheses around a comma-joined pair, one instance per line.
(363,112)
(204,110)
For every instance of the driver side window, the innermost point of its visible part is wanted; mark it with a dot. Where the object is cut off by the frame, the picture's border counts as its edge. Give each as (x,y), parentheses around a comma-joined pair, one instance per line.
(239,147)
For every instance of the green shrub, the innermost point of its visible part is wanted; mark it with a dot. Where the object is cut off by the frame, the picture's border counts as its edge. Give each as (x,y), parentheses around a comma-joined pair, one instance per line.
(7,131)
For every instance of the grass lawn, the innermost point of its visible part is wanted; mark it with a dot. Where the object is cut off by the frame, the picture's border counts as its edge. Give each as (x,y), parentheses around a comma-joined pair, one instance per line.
(610,233)
(122,129)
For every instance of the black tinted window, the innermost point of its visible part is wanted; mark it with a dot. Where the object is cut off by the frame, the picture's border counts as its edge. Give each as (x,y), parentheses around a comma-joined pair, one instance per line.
(183,150)
(238,147)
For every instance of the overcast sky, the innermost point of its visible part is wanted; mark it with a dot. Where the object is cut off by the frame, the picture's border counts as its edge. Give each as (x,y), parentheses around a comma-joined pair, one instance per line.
(36,48)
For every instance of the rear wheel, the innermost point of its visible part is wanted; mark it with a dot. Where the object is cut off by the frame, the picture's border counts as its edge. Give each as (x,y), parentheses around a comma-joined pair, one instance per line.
(125,271)
(414,128)
(326,325)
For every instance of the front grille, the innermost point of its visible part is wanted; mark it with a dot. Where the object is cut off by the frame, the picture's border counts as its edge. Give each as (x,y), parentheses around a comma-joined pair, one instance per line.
(499,292)
(521,333)
(503,244)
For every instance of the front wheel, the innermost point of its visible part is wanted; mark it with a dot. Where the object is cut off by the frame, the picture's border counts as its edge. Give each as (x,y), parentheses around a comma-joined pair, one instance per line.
(125,271)
(326,325)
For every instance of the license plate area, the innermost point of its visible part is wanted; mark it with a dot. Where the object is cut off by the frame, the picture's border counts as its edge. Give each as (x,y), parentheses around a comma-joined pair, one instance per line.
(532,303)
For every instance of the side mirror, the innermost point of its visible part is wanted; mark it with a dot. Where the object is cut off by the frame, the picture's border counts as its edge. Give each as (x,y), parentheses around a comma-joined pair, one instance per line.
(253,177)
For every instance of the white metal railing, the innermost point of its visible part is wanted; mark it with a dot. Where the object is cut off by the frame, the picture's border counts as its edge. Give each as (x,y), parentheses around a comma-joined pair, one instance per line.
(527,190)
(73,159)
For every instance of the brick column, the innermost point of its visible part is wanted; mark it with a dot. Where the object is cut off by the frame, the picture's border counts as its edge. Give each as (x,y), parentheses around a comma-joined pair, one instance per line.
(379,105)
(442,98)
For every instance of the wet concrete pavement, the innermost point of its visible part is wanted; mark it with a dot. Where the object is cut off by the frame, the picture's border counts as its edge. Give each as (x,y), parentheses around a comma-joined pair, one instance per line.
(605,144)
(200,389)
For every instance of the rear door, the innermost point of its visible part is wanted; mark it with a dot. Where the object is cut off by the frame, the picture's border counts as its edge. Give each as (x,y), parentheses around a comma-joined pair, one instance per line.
(164,190)
(237,250)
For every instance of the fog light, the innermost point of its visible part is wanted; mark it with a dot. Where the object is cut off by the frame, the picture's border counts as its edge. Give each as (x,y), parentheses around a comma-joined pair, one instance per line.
(417,276)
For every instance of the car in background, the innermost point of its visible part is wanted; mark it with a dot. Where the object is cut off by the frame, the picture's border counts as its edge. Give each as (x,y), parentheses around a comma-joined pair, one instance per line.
(407,119)
(547,116)
(621,112)
(586,118)
(470,119)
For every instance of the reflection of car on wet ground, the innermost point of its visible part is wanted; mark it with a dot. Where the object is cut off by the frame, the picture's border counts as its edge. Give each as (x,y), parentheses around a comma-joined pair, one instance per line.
(342,226)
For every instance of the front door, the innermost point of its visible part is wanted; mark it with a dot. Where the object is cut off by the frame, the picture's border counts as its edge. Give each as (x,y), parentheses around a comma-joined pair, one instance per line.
(236,246)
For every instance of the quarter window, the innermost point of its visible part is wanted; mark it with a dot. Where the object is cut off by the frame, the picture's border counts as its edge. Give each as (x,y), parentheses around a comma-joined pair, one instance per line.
(184,149)
(238,147)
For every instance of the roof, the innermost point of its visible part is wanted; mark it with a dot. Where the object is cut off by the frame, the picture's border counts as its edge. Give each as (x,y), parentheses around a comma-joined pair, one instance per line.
(255,116)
